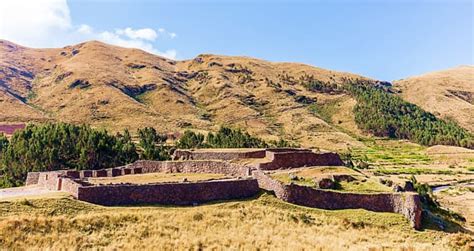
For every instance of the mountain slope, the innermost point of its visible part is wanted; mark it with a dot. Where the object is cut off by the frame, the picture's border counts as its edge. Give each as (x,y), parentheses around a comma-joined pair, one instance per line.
(447,94)
(116,88)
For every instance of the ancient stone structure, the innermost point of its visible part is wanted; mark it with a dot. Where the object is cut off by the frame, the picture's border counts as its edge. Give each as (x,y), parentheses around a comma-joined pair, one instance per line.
(169,193)
(292,159)
(407,204)
(248,168)
(224,154)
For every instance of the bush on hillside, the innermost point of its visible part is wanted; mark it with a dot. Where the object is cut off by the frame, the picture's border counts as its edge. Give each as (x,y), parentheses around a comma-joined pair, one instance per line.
(233,138)
(190,140)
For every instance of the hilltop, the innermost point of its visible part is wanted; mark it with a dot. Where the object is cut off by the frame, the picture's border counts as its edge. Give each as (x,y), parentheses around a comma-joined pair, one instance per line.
(447,94)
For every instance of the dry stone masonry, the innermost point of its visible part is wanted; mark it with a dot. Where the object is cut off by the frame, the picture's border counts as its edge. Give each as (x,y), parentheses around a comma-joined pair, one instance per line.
(248,168)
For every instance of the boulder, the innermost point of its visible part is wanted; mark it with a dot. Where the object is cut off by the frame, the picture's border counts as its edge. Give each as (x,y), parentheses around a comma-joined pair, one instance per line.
(325,183)
(343,177)
(397,188)
(408,186)
(293,177)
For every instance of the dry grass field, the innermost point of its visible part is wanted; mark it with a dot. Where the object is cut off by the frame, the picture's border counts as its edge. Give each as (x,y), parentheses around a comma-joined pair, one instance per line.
(260,223)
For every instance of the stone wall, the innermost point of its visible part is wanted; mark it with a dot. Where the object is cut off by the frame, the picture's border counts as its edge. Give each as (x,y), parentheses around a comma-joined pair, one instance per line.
(278,160)
(70,186)
(191,166)
(407,204)
(223,154)
(169,193)
(50,180)
(32,178)
(269,184)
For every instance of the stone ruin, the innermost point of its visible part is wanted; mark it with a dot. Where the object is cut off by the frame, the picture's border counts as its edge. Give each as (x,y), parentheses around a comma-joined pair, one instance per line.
(248,170)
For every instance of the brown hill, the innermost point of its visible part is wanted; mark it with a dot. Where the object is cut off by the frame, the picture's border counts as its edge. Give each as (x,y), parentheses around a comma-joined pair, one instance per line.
(116,88)
(447,94)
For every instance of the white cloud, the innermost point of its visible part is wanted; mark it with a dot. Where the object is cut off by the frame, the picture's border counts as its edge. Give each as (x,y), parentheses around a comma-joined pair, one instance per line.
(33,22)
(84,29)
(47,23)
(145,34)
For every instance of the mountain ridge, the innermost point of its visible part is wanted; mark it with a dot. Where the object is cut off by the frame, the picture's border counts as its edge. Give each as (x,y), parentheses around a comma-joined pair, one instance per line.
(115,88)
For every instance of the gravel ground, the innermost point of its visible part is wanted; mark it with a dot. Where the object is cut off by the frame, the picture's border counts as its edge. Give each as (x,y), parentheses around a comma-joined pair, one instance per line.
(9,193)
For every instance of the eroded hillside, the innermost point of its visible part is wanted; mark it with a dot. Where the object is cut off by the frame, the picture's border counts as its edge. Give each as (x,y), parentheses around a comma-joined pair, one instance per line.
(117,88)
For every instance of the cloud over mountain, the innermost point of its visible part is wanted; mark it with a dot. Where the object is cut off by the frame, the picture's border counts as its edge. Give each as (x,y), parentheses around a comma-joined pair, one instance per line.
(48,23)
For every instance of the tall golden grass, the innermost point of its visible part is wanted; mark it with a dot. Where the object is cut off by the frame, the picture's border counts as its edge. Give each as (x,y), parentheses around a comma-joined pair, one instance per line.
(260,223)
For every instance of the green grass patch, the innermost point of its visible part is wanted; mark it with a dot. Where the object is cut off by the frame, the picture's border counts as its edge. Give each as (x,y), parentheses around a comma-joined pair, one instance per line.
(367,186)
(391,152)
(414,171)
(299,180)
(325,110)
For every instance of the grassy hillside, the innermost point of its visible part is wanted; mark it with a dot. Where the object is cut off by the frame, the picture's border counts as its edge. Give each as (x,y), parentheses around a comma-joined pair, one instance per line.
(263,223)
(116,88)
(447,94)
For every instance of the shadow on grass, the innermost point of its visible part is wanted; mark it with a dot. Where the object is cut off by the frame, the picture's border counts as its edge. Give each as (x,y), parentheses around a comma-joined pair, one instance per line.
(440,219)
(215,202)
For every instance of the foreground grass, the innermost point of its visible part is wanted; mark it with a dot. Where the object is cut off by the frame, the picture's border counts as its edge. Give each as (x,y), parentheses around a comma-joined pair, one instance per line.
(261,223)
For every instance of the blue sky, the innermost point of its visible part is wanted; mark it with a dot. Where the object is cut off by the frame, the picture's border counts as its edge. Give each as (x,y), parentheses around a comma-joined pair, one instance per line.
(387,40)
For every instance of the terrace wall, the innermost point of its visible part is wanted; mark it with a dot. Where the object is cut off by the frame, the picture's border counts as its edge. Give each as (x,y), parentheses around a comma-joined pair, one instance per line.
(191,166)
(169,193)
(32,178)
(278,160)
(218,155)
(71,186)
(407,204)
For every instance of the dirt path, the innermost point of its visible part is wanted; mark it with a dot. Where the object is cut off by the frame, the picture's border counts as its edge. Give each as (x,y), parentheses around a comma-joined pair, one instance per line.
(9,193)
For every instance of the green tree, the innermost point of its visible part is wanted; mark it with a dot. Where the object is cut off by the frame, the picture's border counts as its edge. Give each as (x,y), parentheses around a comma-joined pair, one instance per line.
(152,144)
(3,143)
(55,146)
(233,138)
(190,140)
